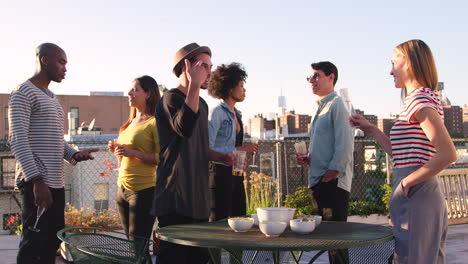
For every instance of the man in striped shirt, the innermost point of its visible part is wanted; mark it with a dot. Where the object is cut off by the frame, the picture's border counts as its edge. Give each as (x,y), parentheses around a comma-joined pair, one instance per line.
(36,138)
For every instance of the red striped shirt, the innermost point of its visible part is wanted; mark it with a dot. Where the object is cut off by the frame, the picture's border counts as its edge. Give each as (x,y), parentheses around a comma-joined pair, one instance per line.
(410,145)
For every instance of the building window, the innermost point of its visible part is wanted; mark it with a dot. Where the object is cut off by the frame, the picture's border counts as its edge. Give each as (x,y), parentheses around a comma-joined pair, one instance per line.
(6,118)
(76,113)
(101,196)
(7,172)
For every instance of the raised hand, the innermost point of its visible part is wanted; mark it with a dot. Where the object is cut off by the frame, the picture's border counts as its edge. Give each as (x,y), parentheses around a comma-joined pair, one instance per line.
(196,74)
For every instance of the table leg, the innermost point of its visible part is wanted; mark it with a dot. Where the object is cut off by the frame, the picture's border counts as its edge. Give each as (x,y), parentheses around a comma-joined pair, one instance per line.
(215,255)
(234,254)
(276,257)
(298,258)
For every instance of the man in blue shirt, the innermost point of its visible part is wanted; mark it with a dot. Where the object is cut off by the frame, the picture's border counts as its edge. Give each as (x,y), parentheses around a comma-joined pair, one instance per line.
(331,148)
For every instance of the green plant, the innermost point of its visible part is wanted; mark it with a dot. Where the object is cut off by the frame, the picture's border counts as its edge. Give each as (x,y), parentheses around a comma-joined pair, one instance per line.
(386,197)
(13,224)
(364,208)
(301,200)
(260,191)
(106,219)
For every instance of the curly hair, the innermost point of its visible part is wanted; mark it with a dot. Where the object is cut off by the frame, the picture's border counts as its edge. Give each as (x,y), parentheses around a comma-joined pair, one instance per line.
(225,78)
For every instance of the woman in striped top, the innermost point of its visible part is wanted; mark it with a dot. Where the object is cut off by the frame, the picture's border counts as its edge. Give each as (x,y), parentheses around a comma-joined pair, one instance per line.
(421,147)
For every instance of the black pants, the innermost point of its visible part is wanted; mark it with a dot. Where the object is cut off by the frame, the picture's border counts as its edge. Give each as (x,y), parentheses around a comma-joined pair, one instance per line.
(40,247)
(134,210)
(333,206)
(170,253)
(227,193)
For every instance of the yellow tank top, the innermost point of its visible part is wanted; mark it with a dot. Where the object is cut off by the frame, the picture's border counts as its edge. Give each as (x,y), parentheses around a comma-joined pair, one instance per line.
(134,175)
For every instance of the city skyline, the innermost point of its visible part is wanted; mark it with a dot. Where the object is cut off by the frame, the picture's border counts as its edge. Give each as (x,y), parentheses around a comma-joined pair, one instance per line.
(110,43)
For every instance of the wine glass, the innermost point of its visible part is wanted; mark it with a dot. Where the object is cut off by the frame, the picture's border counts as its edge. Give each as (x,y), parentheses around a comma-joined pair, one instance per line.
(40,211)
(254,140)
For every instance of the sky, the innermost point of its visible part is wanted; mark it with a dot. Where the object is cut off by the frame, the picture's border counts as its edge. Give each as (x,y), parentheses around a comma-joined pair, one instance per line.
(111,42)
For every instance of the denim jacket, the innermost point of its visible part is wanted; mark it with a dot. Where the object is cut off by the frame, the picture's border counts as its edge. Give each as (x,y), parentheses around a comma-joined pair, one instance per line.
(222,128)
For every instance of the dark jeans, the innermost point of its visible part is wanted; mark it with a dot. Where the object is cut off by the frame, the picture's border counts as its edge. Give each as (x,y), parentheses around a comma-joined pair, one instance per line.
(40,247)
(333,206)
(134,209)
(170,253)
(227,193)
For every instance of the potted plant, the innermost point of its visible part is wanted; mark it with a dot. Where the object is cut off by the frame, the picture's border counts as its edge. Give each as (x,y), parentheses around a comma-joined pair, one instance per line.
(14,225)
(89,217)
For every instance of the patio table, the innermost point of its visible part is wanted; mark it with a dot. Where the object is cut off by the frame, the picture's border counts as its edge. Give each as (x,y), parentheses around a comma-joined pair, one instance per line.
(327,236)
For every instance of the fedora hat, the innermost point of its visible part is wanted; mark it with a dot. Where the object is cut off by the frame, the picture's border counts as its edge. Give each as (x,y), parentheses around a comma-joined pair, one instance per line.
(187,52)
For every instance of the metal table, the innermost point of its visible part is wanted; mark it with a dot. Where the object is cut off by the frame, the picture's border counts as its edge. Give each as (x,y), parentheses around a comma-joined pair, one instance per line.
(327,236)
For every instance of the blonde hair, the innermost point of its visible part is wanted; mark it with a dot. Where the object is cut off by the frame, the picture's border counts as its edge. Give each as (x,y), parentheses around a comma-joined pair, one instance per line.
(421,62)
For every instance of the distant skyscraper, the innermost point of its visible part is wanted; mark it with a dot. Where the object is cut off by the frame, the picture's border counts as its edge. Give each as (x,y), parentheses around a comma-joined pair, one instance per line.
(443,98)
(281,101)
(281,104)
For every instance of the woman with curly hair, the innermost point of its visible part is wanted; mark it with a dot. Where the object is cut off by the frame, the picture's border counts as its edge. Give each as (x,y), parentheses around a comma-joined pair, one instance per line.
(226,134)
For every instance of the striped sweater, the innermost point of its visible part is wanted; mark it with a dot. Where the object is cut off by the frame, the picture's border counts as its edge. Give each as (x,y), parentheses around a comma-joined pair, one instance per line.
(36,122)
(410,145)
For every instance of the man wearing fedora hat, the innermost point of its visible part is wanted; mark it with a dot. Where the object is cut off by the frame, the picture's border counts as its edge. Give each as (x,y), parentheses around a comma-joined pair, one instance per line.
(181,193)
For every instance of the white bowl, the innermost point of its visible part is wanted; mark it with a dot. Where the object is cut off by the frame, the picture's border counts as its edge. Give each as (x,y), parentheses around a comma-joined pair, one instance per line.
(240,224)
(255,217)
(302,226)
(318,220)
(272,228)
(275,214)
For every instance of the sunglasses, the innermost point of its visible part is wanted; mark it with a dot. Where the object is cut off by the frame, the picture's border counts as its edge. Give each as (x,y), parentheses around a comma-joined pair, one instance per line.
(314,76)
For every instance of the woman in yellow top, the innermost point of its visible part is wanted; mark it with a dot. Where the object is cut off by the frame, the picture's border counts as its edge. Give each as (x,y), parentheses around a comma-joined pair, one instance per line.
(137,149)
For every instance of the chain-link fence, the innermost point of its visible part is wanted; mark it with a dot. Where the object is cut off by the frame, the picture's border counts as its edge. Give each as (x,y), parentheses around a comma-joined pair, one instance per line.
(278,160)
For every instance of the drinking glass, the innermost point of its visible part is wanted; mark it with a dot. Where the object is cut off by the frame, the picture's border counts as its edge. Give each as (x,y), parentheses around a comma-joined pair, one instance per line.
(301,149)
(240,160)
(254,140)
(40,211)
